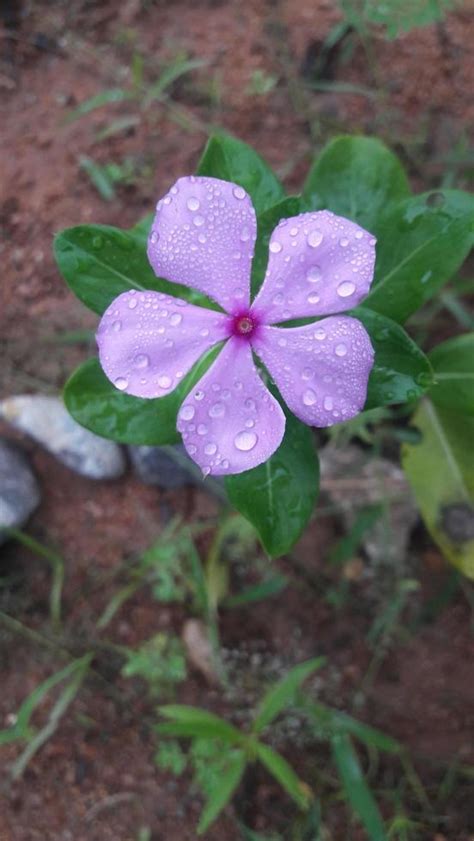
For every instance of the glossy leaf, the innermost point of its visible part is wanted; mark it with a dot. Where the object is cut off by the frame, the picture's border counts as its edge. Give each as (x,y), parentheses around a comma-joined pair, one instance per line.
(356,177)
(453,365)
(279,495)
(283,772)
(232,160)
(422,242)
(95,403)
(196,722)
(282,694)
(401,370)
(440,470)
(267,221)
(356,789)
(225,788)
(99,262)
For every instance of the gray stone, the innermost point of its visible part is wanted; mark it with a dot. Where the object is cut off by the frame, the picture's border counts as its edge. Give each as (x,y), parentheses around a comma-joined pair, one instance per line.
(354,479)
(47,421)
(19,491)
(164,467)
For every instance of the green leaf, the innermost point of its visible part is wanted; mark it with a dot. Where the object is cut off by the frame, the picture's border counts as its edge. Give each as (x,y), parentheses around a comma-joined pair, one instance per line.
(453,365)
(422,242)
(282,694)
(195,722)
(401,370)
(331,722)
(223,791)
(170,75)
(232,160)
(440,470)
(283,772)
(95,403)
(278,497)
(356,177)
(98,101)
(266,223)
(356,789)
(99,262)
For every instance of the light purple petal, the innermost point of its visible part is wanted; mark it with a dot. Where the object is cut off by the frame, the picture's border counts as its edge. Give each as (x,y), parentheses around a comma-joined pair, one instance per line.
(230,422)
(203,236)
(149,341)
(321,369)
(318,264)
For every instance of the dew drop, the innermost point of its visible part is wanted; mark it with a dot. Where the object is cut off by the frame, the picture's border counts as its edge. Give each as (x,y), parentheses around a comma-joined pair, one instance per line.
(121,383)
(313,298)
(359,234)
(202,238)
(278,299)
(192,449)
(275,247)
(116,326)
(202,429)
(187,412)
(204,332)
(306,374)
(199,221)
(239,193)
(314,274)
(198,395)
(225,464)
(210,449)
(344,242)
(245,234)
(315,238)
(176,319)
(217,410)
(164,381)
(249,423)
(340,350)
(250,404)
(346,288)
(154,237)
(132,303)
(309,397)
(245,441)
(226,394)
(328,404)
(142,360)
(320,334)
(282,342)
(193,203)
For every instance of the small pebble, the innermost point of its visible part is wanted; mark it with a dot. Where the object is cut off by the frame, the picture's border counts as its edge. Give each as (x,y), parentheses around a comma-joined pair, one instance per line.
(19,490)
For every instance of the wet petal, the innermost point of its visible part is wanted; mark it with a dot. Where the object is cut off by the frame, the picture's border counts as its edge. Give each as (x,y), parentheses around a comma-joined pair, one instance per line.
(321,369)
(318,264)
(203,236)
(230,422)
(148,341)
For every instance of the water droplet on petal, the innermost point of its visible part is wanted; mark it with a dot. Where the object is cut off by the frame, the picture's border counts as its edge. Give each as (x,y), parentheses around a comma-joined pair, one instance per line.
(346,288)
(275,247)
(309,397)
(132,303)
(315,238)
(314,274)
(340,350)
(193,203)
(328,403)
(250,404)
(282,342)
(142,360)
(217,410)
(344,242)
(121,383)
(210,449)
(245,234)
(199,221)
(278,299)
(239,192)
(187,412)
(359,234)
(202,429)
(176,319)
(154,237)
(313,298)
(320,334)
(249,423)
(116,326)
(306,374)
(164,381)
(245,441)
(198,395)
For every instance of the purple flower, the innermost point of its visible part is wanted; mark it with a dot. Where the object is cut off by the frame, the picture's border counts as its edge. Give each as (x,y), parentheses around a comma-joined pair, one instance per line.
(203,236)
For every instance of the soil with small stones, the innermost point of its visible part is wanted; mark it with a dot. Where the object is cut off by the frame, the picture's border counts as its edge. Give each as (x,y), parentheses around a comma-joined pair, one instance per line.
(95,778)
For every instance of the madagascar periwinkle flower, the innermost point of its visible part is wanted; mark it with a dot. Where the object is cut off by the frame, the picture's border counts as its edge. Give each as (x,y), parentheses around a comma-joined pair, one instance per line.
(320,264)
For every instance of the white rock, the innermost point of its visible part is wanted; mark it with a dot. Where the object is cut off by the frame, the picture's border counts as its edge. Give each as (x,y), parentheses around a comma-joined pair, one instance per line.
(19,491)
(47,421)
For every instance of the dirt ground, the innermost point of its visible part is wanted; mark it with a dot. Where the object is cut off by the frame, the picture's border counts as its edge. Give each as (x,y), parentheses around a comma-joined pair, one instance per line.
(95,779)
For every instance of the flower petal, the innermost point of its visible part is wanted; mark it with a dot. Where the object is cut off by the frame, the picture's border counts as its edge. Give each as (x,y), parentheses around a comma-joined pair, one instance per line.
(203,236)
(318,264)
(321,369)
(230,422)
(148,341)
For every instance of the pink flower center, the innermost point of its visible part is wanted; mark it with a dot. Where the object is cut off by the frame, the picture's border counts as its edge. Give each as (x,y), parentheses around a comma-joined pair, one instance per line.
(244,325)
